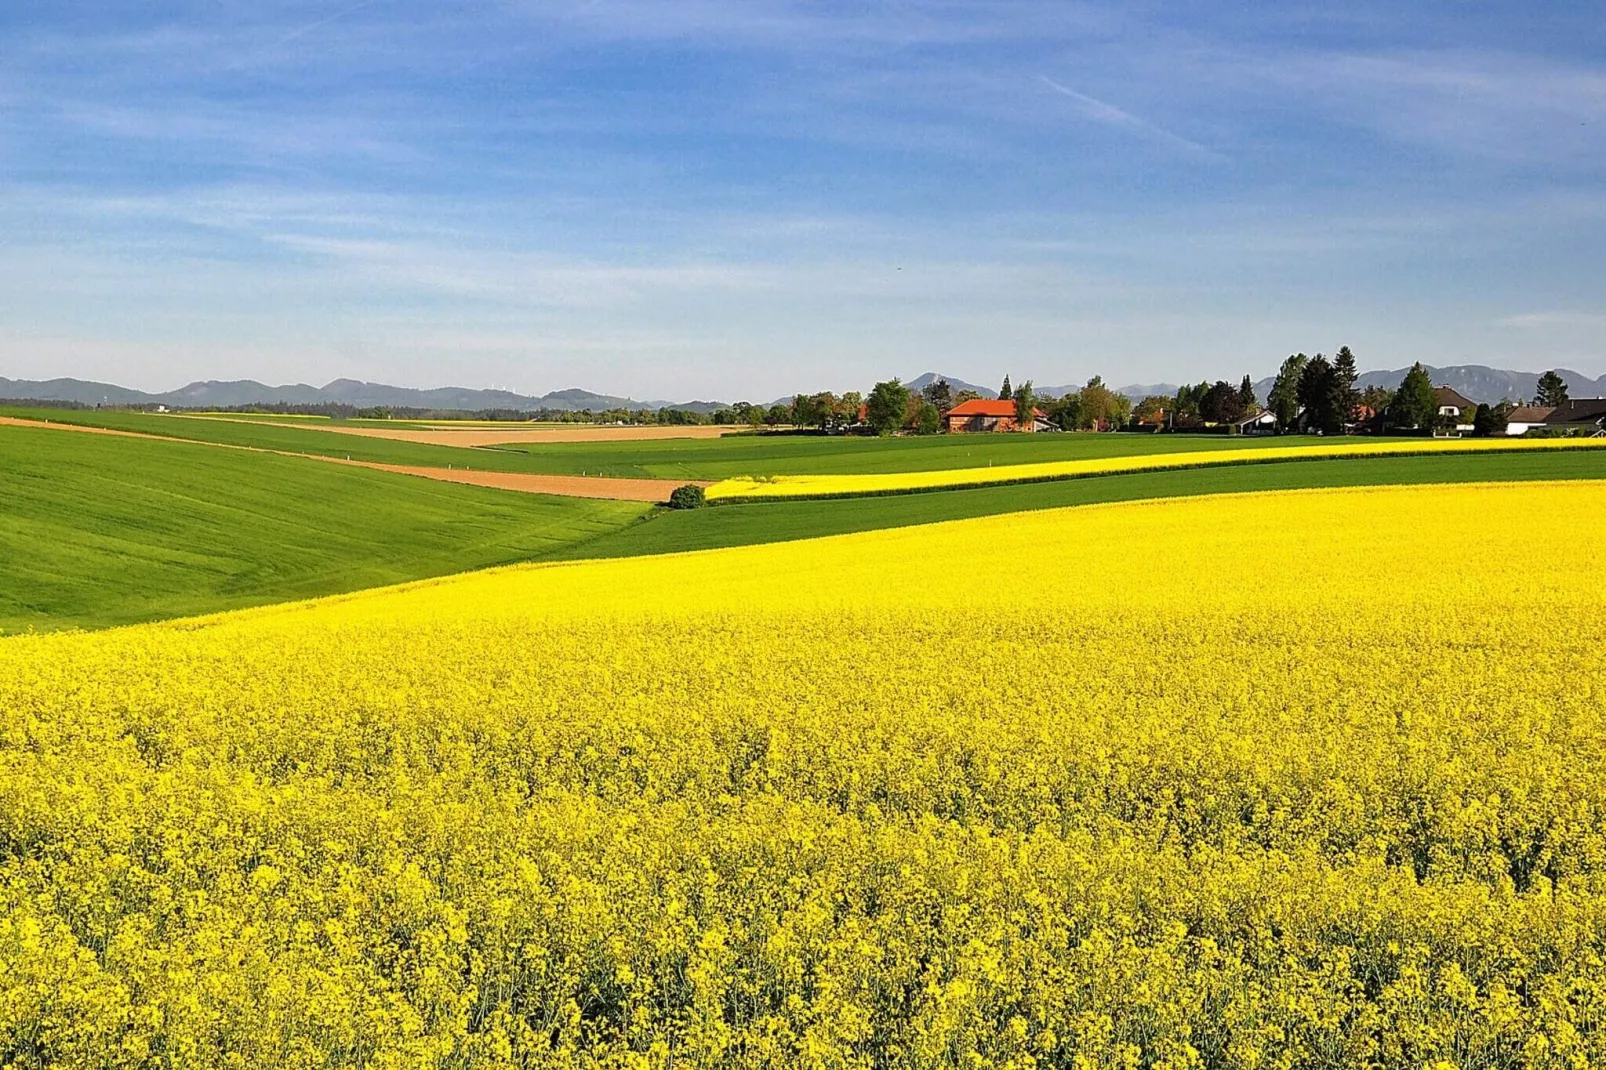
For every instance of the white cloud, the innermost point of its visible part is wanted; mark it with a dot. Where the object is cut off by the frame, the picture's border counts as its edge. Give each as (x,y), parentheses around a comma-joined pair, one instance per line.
(1545,320)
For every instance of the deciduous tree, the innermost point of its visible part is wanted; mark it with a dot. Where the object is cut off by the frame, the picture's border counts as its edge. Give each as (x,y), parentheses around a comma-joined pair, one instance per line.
(1283,399)
(1318,393)
(1152,410)
(1025,404)
(1220,404)
(886,406)
(1098,405)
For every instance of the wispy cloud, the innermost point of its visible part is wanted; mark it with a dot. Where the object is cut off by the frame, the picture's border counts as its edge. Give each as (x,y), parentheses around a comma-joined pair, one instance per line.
(1104,112)
(851,189)
(1528,320)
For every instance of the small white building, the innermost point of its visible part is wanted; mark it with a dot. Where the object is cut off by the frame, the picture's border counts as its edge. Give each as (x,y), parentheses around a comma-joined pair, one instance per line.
(1453,403)
(1263,422)
(1525,418)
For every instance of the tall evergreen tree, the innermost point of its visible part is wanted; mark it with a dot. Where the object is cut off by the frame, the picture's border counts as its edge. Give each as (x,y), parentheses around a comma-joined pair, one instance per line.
(1414,405)
(1246,396)
(1552,389)
(1345,396)
(1004,392)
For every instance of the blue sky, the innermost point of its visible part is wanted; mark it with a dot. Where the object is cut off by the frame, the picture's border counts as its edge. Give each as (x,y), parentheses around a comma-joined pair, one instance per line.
(739,199)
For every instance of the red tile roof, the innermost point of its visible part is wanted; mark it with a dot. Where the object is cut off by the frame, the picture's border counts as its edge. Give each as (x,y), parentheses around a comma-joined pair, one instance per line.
(984,407)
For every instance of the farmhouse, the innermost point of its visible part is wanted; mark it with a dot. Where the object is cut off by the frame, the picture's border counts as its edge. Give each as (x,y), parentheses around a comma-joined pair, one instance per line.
(1525,418)
(980,414)
(1263,422)
(1452,402)
(1579,416)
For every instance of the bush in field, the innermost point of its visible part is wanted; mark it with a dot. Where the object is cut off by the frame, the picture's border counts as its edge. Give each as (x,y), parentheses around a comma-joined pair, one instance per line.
(690,496)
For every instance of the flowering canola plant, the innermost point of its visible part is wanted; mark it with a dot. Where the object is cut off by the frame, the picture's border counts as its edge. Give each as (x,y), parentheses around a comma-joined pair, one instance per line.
(1280,780)
(746,488)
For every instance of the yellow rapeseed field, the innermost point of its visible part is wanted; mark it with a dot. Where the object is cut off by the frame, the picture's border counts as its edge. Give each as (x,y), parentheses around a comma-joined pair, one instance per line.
(855,484)
(1309,779)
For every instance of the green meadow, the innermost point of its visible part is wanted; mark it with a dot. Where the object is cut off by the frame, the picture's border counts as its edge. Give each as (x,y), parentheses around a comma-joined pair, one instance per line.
(97,530)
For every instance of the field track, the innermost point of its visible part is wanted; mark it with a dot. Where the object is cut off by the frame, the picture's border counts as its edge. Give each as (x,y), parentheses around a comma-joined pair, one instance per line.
(624,490)
(629,490)
(481,436)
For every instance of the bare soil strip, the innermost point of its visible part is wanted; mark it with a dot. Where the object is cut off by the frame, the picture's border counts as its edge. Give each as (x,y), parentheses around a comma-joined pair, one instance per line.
(630,490)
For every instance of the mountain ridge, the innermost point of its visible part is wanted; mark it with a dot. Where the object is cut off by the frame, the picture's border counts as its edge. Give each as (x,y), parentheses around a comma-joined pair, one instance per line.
(216,393)
(1478,382)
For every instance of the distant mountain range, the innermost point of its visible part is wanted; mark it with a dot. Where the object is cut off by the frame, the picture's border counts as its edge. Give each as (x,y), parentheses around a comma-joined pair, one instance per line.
(224,395)
(1476,381)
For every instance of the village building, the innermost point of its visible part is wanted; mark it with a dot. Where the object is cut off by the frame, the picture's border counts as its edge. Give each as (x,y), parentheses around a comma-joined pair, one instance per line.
(1452,403)
(1579,416)
(981,414)
(1525,418)
(1263,422)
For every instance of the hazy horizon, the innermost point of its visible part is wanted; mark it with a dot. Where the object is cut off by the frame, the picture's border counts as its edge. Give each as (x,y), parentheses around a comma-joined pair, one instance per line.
(715,199)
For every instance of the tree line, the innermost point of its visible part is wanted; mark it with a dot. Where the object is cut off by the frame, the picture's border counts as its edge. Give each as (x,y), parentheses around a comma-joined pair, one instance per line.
(1316,394)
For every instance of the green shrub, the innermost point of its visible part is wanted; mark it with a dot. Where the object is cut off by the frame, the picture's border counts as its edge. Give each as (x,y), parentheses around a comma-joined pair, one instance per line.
(689,496)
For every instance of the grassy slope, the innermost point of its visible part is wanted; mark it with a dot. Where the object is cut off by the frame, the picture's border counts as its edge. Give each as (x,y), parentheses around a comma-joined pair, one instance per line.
(734,455)
(738,525)
(98,531)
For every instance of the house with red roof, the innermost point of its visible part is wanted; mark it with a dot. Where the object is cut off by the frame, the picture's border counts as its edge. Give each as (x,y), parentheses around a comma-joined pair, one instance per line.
(981,414)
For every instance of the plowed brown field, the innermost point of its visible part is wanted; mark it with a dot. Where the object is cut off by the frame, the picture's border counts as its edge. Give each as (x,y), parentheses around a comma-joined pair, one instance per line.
(630,490)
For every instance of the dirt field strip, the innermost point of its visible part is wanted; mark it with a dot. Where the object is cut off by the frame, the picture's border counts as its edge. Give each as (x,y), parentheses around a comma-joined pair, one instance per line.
(629,490)
(482,436)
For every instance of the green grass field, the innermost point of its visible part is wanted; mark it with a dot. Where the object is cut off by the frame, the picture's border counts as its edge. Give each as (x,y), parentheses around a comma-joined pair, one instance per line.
(721,458)
(740,525)
(98,531)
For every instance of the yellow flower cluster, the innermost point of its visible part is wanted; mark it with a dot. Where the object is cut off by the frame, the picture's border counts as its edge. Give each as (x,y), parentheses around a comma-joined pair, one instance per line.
(1285,780)
(858,484)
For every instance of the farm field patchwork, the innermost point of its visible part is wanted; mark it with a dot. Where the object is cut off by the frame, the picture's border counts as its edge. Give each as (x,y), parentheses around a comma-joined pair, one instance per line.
(130,530)
(99,530)
(710,459)
(1269,451)
(1324,788)
(789,519)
